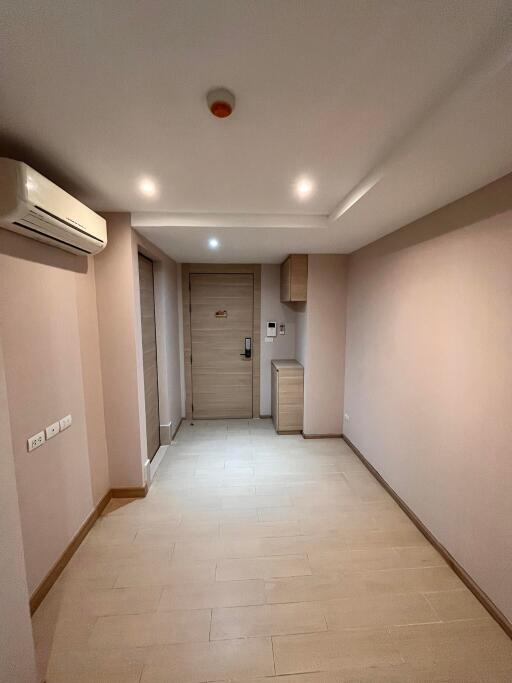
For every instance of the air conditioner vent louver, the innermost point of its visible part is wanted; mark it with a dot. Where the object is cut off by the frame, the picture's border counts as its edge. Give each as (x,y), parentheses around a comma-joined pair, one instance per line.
(66,221)
(34,206)
(58,242)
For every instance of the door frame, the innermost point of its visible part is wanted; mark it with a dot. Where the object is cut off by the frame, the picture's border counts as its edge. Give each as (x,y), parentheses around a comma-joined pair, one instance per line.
(218,268)
(140,253)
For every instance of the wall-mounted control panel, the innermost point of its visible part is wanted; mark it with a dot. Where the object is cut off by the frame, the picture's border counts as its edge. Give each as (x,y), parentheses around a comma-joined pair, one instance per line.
(271,328)
(52,430)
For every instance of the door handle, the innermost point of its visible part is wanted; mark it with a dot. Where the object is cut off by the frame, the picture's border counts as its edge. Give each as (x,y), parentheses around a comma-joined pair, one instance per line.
(247,348)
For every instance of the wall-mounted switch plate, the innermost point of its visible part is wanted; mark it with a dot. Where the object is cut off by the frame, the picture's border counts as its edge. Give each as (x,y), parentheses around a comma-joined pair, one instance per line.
(65,422)
(52,430)
(35,441)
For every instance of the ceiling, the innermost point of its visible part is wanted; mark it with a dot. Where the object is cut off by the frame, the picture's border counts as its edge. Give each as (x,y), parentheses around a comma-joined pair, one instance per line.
(402,105)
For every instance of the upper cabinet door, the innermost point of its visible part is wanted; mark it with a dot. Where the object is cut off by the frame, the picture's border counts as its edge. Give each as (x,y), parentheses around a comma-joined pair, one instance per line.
(285,280)
(294,278)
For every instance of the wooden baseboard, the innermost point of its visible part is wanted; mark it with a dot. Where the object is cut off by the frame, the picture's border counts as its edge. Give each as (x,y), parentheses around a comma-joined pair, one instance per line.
(133,492)
(288,432)
(489,605)
(265,417)
(42,590)
(44,587)
(322,436)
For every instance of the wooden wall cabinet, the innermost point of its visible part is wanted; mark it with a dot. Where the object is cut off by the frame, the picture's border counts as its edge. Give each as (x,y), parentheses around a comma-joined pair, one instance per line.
(287,396)
(294,278)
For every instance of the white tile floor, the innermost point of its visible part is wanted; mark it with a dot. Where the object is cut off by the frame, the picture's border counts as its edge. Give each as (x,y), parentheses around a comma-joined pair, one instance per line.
(262,557)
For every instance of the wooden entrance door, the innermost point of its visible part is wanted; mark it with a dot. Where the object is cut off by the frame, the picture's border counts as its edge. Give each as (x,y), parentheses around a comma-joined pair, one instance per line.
(221,317)
(148,323)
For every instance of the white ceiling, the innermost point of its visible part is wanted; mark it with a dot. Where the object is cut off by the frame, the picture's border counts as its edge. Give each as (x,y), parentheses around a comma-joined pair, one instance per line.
(409,98)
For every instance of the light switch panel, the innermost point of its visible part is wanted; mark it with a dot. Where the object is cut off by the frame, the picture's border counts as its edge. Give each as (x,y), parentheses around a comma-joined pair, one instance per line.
(52,430)
(65,423)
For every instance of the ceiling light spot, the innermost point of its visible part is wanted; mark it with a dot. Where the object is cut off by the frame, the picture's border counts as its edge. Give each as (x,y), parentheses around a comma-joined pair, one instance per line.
(303,188)
(213,243)
(147,187)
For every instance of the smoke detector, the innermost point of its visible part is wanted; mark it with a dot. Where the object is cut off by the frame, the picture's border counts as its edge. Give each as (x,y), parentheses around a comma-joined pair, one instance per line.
(221,102)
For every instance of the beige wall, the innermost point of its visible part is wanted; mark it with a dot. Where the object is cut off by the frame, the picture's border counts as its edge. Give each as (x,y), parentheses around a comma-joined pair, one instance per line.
(321,344)
(118,299)
(17,661)
(116,292)
(429,376)
(49,333)
(283,346)
(92,383)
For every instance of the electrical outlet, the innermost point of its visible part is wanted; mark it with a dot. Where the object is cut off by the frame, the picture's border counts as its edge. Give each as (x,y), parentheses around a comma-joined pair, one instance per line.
(52,430)
(65,422)
(35,441)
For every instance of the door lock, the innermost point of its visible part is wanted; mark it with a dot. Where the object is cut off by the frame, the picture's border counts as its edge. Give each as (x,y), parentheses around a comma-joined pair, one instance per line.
(247,348)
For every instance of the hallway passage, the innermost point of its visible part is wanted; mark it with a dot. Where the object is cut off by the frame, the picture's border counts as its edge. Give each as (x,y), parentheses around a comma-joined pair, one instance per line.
(262,557)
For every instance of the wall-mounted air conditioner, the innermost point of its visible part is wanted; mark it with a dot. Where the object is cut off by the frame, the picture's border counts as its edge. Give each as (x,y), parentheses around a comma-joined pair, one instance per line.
(35,207)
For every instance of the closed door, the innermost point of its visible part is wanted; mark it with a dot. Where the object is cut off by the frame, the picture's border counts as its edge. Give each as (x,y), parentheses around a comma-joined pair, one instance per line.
(147,314)
(221,318)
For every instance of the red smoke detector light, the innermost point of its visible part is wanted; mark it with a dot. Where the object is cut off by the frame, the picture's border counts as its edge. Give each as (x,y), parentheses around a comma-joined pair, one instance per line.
(221,102)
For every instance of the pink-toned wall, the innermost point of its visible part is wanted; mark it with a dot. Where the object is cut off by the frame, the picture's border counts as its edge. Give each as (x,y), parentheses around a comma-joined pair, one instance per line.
(49,332)
(321,344)
(70,328)
(429,376)
(17,660)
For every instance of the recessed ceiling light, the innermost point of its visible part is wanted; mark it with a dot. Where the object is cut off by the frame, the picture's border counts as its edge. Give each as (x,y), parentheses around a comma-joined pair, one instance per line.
(213,243)
(147,187)
(303,188)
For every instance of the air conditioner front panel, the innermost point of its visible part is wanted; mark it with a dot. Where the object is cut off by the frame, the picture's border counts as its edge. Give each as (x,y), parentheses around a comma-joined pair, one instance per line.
(51,199)
(34,206)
